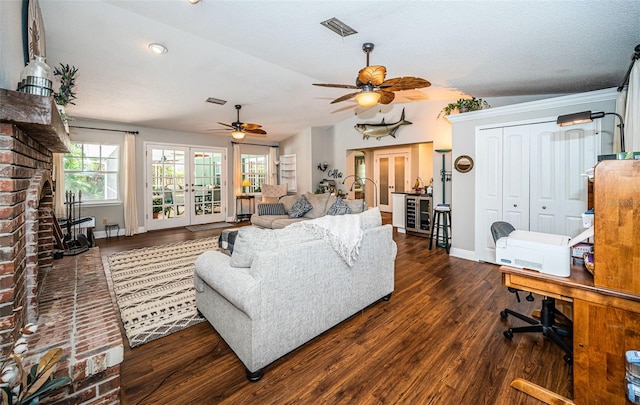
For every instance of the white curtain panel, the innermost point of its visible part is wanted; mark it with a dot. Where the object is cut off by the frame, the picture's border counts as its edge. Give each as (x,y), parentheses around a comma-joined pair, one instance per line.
(130,201)
(237,170)
(58,177)
(621,103)
(632,113)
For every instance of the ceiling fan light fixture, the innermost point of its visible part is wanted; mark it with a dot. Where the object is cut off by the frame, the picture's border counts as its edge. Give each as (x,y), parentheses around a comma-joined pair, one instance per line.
(158,48)
(237,135)
(367,98)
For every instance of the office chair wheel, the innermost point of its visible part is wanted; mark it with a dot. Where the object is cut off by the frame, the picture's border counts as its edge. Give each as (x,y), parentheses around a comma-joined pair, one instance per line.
(568,359)
(503,314)
(508,334)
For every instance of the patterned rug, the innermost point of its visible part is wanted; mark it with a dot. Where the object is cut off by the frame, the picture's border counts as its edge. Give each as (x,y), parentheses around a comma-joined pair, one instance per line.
(154,288)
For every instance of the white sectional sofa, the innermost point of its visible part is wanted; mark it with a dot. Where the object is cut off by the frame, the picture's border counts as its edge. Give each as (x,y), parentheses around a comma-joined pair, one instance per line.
(281,288)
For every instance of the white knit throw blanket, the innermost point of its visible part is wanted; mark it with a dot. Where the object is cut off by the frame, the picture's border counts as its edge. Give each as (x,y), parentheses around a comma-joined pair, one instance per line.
(342,232)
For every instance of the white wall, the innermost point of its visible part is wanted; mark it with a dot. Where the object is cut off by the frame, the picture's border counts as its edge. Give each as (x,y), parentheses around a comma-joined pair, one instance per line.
(11,50)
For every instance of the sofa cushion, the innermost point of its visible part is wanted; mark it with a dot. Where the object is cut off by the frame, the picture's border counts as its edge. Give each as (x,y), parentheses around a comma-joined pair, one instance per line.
(288,201)
(250,240)
(356,206)
(271,209)
(270,200)
(275,191)
(300,207)
(282,222)
(370,218)
(339,208)
(318,203)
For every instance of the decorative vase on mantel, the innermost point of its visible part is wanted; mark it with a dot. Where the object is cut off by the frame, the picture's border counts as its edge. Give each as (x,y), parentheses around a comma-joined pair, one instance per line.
(36,77)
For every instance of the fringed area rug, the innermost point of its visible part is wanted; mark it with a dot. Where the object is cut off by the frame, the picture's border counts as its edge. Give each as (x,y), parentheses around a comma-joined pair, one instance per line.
(154,288)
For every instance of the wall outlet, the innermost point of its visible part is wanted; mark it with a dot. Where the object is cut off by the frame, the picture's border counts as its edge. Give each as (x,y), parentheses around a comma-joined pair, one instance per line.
(104,221)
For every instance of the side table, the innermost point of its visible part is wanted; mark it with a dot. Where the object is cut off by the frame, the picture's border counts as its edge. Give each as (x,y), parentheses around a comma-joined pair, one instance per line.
(244,207)
(110,227)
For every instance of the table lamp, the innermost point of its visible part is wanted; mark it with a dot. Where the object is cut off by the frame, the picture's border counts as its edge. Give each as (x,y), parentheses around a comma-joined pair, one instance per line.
(245,183)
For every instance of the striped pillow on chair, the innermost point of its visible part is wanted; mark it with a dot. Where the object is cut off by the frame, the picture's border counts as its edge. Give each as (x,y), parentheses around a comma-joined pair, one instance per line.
(271,209)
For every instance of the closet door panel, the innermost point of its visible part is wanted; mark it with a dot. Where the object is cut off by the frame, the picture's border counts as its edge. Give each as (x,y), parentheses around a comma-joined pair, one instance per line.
(515,177)
(488,174)
(546,177)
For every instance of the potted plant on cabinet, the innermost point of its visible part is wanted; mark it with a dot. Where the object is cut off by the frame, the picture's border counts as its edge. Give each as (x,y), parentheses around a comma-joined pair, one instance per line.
(65,95)
(463,105)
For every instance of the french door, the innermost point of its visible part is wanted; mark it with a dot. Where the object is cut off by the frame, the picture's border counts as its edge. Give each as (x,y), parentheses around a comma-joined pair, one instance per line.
(391,172)
(185,185)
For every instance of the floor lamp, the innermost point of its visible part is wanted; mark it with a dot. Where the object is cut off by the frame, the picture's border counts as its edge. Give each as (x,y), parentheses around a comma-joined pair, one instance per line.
(444,175)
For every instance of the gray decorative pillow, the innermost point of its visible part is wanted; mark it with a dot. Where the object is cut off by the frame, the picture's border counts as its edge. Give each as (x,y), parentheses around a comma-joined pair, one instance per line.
(249,241)
(300,207)
(271,209)
(339,208)
(288,201)
(357,206)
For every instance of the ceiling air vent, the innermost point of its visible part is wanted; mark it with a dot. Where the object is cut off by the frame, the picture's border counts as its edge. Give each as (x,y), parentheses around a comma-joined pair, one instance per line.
(339,27)
(216,101)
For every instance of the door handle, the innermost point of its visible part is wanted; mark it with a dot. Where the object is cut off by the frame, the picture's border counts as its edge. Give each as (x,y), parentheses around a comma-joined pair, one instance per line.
(515,205)
(544,207)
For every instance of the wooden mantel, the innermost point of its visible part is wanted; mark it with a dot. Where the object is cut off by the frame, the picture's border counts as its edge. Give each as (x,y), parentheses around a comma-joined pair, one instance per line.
(37,116)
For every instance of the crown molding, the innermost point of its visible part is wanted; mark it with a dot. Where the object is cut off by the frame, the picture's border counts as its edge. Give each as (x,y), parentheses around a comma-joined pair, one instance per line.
(555,102)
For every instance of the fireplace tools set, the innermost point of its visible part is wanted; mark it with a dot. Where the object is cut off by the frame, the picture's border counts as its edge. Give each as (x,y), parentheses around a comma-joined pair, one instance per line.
(75,241)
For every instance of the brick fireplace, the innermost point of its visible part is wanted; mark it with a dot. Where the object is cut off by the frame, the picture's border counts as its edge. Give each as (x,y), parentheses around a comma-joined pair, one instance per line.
(69,299)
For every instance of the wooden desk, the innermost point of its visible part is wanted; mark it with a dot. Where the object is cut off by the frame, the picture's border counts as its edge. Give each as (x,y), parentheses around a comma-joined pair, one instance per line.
(606,324)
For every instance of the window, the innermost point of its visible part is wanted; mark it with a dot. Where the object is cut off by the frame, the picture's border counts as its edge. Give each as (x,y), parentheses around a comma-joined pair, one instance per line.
(254,168)
(92,169)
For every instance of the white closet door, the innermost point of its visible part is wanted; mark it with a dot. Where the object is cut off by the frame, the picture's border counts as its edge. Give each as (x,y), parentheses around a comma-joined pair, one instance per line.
(515,176)
(488,190)
(560,155)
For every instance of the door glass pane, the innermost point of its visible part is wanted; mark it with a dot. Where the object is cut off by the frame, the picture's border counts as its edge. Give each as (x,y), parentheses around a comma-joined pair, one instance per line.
(384,181)
(207,196)
(167,184)
(398,163)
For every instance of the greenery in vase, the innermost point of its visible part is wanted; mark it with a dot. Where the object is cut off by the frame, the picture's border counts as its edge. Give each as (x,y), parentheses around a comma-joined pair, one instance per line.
(464,104)
(67,74)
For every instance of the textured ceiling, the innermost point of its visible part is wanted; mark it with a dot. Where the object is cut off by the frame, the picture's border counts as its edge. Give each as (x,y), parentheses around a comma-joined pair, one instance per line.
(265,55)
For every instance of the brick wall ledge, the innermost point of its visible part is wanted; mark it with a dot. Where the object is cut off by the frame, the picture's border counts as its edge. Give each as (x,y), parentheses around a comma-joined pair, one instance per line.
(78,315)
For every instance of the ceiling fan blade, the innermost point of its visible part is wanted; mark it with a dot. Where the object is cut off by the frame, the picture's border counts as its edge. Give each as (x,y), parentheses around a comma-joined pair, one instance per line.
(255,131)
(386,96)
(405,83)
(245,126)
(372,75)
(345,97)
(226,125)
(341,86)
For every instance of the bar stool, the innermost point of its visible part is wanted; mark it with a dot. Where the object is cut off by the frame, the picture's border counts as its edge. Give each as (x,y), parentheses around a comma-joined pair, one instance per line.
(441,220)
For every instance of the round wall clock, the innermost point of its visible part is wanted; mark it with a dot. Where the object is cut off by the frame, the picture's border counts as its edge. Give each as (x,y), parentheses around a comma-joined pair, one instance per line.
(33,30)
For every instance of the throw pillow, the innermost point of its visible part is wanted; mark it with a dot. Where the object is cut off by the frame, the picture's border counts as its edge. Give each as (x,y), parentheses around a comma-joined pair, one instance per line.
(270,200)
(288,201)
(271,209)
(318,203)
(270,190)
(249,241)
(339,208)
(357,206)
(300,207)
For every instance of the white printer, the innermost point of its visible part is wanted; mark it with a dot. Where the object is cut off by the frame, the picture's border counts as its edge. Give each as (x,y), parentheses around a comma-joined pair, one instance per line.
(544,252)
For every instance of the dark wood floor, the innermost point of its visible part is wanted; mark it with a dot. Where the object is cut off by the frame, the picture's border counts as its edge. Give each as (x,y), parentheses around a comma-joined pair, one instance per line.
(438,341)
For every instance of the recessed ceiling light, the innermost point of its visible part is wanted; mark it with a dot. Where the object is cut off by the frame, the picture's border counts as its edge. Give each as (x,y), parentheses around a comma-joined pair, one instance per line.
(194,1)
(158,48)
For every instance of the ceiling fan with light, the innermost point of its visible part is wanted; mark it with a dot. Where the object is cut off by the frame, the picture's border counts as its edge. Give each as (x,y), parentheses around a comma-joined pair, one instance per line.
(372,86)
(241,129)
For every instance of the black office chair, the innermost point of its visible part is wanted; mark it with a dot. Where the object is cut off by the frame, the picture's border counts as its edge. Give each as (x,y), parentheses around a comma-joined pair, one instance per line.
(547,323)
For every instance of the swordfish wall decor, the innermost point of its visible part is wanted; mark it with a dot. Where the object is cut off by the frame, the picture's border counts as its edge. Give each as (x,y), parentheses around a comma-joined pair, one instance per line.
(381,130)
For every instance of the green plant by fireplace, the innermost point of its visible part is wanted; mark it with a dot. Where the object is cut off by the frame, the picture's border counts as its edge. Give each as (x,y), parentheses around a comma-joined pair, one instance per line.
(19,386)
(464,105)
(67,75)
